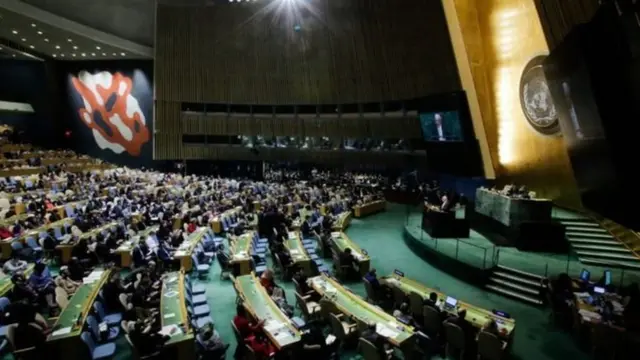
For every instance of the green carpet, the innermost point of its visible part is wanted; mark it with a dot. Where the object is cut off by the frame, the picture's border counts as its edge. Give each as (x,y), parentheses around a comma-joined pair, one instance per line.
(382,236)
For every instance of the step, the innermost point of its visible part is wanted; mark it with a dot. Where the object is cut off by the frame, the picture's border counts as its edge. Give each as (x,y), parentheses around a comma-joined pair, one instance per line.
(520,272)
(514,278)
(589,235)
(514,294)
(517,287)
(616,249)
(586,224)
(599,255)
(605,263)
(572,219)
(589,230)
(611,242)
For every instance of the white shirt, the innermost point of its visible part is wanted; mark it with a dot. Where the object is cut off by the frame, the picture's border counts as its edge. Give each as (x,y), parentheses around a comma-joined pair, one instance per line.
(151,243)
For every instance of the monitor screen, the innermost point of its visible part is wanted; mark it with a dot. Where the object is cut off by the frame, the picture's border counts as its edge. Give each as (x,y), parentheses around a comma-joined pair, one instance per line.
(398,272)
(441,126)
(607,277)
(598,290)
(585,275)
(451,301)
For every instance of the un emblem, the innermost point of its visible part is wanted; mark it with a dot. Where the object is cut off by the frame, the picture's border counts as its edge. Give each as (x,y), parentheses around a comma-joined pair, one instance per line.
(535,99)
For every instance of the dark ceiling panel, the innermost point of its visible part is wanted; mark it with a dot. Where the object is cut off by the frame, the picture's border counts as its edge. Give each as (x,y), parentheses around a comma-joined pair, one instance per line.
(559,17)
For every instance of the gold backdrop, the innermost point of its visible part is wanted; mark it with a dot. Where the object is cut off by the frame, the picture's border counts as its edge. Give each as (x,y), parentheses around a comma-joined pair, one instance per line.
(499,39)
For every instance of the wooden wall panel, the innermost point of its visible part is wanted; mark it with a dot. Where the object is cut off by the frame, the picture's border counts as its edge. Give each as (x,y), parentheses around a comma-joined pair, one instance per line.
(559,17)
(494,33)
(346,52)
(168,131)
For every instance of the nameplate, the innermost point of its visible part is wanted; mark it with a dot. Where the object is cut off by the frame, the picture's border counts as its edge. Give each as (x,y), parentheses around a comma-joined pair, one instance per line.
(501,314)
(364,252)
(398,272)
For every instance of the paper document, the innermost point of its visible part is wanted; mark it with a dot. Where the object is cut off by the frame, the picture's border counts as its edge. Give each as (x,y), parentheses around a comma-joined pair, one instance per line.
(180,253)
(62,331)
(171,294)
(272,326)
(170,330)
(385,331)
(169,316)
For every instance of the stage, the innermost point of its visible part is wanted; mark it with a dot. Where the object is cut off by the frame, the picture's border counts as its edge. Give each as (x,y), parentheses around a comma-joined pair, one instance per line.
(479,252)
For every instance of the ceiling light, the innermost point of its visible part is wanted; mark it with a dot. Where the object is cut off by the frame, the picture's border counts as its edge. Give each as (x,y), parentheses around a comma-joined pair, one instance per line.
(123,54)
(114,54)
(14,55)
(24,39)
(39,32)
(46,40)
(33,25)
(83,54)
(75,47)
(57,46)
(74,54)
(15,32)
(69,40)
(93,54)
(104,54)
(54,55)
(61,55)
(97,47)
(31,46)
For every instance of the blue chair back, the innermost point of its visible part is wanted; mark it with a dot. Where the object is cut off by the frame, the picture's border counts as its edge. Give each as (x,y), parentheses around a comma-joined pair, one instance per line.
(92,323)
(4,302)
(16,245)
(32,243)
(57,232)
(99,308)
(86,337)
(194,258)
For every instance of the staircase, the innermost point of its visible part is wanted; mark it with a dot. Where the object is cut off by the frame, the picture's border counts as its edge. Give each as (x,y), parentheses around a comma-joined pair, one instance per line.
(517,284)
(594,245)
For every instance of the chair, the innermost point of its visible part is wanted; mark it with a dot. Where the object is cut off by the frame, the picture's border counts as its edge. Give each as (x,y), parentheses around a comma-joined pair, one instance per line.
(225,266)
(455,341)
(33,244)
(309,309)
(104,351)
(110,319)
(195,289)
(196,299)
(248,353)
(202,269)
(490,347)
(198,311)
(398,295)
(341,329)
(372,297)
(240,348)
(369,351)
(432,321)
(62,298)
(94,327)
(415,303)
(215,354)
(135,352)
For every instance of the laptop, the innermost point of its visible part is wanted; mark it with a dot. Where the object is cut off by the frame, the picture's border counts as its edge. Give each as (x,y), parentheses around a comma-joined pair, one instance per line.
(450,303)
(598,290)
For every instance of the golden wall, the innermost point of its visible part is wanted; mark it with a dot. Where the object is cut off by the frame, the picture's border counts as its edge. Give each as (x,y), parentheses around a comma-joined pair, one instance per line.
(499,39)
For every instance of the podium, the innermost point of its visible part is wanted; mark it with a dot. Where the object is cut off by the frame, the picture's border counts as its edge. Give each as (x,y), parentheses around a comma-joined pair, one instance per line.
(443,224)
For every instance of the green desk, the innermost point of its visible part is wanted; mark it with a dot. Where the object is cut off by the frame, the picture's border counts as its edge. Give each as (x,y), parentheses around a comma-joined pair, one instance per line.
(66,249)
(298,253)
(6,285)
(183,254)
(174,313)
(5,244)
(241,253)
(341,241)
(364,313)
(258,303)
(343,220)
(475,315)
(65,337)
(126,248)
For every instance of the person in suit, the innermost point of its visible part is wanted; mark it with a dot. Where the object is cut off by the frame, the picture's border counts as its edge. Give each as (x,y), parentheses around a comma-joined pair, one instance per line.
(467,329)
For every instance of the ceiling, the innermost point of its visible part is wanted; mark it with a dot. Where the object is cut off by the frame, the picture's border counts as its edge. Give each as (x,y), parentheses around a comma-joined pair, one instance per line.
(32,30)
(133,20)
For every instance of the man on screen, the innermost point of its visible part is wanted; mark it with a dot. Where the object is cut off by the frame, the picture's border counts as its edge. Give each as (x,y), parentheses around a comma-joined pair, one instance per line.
(438,121)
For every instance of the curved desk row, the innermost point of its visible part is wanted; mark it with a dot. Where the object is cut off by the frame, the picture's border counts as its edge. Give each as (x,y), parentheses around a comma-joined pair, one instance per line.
(66,248)
(5,244)
(173,312)
(341,241)
(477,316)
(6,285)
(277,326)
(369,208)
(184,252)
(126,248)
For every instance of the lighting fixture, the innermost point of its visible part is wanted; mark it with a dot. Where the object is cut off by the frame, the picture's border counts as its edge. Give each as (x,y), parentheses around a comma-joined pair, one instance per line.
(69,40)
(31,46)
(93,54)
(74,54)
(61,55)
(123,54)
(46,40)
(83,54)
(75,47)
(15,32)
(39,32)
(33,25)
(54,55)
(97,47)
(114,54)
(104,54)
(57,46)
(24,39)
